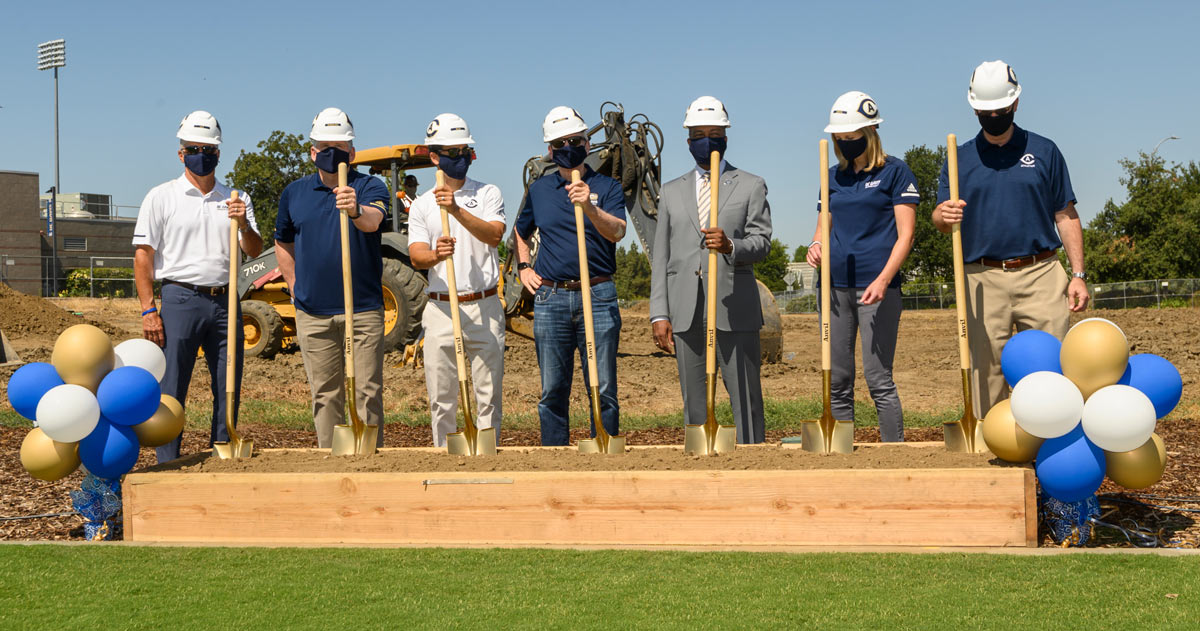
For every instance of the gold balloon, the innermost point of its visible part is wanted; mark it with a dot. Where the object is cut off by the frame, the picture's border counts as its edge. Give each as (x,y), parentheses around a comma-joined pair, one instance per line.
(164,426)
(1139,468)
(83,354)
(1005,438)
(47,459)
(1094,354)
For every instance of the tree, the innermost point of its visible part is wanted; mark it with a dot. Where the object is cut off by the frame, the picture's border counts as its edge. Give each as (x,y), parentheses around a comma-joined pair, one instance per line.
(281,159)
(801,254)
(1153,234)
(931,259)
(633,273)
(773,268)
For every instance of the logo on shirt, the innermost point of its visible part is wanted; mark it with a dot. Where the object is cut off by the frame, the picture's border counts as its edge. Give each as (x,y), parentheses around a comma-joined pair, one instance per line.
(871,184)
(1027,160)
(594,198)
(911,191)
(471,204)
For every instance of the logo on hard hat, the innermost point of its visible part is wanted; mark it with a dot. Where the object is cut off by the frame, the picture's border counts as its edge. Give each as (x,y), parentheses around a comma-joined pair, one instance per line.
(868,109)
(433,127)
(1027,160)
(1012,76)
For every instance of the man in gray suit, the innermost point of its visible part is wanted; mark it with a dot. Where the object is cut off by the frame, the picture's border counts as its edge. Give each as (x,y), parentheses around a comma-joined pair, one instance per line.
(680,267)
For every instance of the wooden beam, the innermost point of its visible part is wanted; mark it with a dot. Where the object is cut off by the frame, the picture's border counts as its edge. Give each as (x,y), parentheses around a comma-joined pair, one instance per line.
(916,507)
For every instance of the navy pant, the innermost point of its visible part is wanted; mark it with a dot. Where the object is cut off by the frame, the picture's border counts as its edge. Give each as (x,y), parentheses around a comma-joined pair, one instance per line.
(192,321)
(558,333)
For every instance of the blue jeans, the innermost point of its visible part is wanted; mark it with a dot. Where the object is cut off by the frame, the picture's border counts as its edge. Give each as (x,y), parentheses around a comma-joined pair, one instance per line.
(192,321)
(558,334)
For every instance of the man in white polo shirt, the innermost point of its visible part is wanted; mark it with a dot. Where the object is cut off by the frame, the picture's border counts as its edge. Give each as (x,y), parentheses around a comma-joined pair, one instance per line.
(476,226)
(182,239)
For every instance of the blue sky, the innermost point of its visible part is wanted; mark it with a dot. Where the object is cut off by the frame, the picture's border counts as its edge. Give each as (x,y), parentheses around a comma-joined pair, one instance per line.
(1101,79)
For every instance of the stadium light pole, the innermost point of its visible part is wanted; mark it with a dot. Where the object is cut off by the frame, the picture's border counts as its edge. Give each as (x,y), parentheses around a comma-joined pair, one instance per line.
(53,55)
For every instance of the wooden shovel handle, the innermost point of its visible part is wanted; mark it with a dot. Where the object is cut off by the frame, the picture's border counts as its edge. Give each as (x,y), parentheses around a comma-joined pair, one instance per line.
(460,355)
(585,286)
(960,275)
(826,222)
(343,175)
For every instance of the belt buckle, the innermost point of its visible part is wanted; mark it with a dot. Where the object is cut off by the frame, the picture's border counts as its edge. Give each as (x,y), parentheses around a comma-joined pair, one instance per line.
(1015,262)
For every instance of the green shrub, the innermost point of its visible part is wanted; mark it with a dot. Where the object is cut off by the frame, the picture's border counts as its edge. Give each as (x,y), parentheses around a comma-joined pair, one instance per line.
(109,282)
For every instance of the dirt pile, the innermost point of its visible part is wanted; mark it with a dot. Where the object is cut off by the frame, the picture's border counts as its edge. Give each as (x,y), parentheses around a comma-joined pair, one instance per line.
(25,316)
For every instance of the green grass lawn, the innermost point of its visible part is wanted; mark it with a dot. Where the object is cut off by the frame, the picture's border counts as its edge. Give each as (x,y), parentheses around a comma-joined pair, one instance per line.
(78,587)
(784,414)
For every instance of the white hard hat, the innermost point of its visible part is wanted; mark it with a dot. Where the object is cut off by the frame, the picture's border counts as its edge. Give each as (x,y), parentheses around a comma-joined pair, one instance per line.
(447,130)
(851,112)
(562,121)
(200,126)
(332,125)
(993,86)
(706,110)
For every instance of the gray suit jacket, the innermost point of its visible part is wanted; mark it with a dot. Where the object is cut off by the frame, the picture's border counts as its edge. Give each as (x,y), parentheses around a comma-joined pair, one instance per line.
(680,262)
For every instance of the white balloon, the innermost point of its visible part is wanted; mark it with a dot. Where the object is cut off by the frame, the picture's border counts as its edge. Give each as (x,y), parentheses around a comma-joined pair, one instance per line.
(143,354)
(1047,404)
(1118,418)
(68,413)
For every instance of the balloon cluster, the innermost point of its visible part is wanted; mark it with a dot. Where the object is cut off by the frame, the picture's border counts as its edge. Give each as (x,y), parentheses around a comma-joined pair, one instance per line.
(93,404)
(1083,408)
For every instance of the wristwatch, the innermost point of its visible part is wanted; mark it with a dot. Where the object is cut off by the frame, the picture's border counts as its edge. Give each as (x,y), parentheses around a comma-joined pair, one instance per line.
(1080,275)
(523,266)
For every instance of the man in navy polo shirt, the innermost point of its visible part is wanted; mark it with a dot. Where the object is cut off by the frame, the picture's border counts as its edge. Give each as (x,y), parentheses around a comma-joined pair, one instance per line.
(308,248)
(554,281)
(1016,208)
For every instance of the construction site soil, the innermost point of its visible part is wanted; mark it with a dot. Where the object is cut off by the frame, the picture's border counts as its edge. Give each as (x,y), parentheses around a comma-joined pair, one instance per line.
(926,373)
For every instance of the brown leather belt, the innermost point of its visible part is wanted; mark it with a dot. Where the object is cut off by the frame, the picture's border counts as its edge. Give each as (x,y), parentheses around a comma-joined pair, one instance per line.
(574,285)
(479,295)
(1020,261)
(211,291)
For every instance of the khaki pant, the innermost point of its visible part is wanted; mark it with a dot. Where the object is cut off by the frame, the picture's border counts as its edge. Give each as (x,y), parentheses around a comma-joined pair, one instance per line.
(999,301)
(483,341)
(321,341)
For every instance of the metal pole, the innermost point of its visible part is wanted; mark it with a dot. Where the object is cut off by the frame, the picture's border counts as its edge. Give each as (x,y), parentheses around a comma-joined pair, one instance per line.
(54,198)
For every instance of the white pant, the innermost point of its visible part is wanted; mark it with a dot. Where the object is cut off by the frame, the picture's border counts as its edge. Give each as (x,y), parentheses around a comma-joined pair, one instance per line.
(483,340)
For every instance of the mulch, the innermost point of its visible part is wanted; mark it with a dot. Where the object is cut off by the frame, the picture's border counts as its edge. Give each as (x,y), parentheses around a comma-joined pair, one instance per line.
(1149,510)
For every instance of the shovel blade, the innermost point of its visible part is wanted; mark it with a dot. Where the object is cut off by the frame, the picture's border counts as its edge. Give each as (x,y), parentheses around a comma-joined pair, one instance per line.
(958,439)
(457,443)
(589,446)
(233,450)
(616,444)
(826,438)
(698,441)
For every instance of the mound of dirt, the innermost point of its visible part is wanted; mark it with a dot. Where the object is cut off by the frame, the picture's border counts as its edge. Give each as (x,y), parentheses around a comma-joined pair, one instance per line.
(22,315)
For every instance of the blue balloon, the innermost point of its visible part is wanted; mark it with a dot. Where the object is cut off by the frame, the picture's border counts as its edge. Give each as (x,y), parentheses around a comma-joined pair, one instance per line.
(1070,468)
(1157,378)
(128,395)
(27,385)
(110,451)
(1028,352)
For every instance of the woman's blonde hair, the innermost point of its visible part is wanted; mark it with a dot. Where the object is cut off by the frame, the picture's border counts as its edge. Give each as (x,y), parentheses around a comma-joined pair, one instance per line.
(874,152)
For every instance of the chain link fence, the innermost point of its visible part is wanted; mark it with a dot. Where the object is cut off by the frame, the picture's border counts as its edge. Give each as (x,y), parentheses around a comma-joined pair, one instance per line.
(78,276)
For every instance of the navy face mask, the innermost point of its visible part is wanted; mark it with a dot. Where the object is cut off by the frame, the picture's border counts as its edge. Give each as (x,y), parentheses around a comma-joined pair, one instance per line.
(702,149)
(851,149)
(201,164)
(455,168)
(569,157)
(329,158)
(996,125)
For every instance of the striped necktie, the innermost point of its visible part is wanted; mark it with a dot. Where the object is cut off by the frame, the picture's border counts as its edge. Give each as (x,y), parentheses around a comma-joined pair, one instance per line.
(704,199)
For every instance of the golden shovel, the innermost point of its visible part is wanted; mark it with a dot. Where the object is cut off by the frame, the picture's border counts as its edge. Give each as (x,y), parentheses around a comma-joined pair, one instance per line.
(603,443)
(472,441)
(710,438)
(965,434)
(357,438)
(236,447)
(826,434)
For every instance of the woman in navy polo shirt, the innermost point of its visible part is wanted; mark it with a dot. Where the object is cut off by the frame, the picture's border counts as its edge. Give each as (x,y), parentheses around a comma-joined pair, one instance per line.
(873,202)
